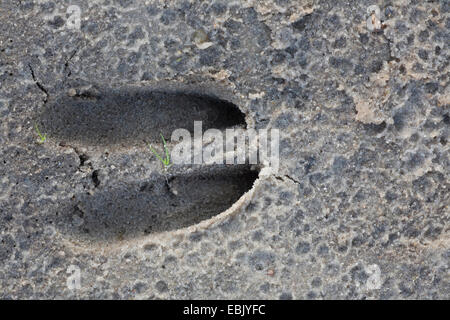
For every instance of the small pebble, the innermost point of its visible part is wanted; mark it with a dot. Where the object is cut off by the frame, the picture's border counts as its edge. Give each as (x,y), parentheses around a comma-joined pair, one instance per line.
(200,38)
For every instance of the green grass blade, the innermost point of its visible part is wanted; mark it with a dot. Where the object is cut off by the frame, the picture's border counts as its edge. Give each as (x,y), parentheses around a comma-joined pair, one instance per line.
(156,153)
(166,161)
(42,137)
(166,149)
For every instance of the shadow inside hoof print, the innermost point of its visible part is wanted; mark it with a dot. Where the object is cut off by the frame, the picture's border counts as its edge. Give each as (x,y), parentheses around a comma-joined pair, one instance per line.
(129,129)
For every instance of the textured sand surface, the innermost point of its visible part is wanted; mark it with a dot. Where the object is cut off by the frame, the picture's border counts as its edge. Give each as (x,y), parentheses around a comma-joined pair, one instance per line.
(359,208)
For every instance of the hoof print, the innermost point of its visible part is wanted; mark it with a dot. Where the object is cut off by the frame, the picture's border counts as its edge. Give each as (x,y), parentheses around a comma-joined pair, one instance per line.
(136,209)
(119,210)
(129,116)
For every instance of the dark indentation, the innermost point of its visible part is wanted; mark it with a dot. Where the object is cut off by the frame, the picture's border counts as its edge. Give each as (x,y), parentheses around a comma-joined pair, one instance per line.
(83,159)
(301,24)
(95,178)
(131,209)
(372,128)
(129,116)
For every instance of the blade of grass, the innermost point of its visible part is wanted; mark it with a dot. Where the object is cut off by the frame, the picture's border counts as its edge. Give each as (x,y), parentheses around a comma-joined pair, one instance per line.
(156,153)
(42,137)
(167,160)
